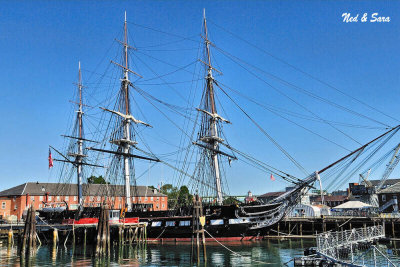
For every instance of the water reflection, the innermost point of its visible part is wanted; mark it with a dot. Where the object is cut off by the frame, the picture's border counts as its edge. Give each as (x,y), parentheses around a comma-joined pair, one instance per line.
(244,254)
(271,252)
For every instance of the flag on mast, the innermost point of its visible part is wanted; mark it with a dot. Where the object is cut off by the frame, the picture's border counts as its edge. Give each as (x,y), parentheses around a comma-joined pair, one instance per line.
(50,160)
(272,177)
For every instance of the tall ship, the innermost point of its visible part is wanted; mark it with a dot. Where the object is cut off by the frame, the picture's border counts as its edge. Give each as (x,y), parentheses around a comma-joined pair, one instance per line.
(235,221)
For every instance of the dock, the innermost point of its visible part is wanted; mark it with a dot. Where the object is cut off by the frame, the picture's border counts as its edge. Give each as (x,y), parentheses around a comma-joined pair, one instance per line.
(310,227)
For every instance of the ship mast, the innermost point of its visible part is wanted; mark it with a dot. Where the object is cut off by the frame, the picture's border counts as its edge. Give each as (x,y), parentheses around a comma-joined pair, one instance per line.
(126,145)
(213,138)
(77,134)
(79,156)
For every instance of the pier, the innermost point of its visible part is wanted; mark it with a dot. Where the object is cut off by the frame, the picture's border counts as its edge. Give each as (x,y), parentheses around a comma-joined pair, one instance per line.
(356,247)
(295,227)
(78,233)
(310,227)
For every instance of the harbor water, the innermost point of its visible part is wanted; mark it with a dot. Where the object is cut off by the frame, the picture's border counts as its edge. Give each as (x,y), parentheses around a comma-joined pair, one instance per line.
(257,253)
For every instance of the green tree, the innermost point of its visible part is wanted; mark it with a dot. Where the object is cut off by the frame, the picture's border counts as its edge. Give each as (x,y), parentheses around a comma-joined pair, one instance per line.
(184,197)
(96,180)
(230,201)
(179,196)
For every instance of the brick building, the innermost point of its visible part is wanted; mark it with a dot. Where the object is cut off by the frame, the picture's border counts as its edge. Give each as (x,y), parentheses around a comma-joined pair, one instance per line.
(15,200)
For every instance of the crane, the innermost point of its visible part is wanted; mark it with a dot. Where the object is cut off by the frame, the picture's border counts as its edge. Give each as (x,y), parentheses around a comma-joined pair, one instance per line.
(389,167)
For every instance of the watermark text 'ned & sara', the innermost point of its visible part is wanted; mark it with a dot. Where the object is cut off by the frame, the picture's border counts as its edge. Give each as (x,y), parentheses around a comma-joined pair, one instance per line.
(374,17)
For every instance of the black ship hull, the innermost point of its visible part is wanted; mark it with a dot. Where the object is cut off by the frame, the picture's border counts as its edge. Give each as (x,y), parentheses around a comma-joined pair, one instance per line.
(221,222)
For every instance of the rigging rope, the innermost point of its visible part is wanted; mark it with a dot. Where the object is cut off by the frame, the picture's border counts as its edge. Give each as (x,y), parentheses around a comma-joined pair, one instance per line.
(302,71)
(296,102)
(233,252)
(266,134)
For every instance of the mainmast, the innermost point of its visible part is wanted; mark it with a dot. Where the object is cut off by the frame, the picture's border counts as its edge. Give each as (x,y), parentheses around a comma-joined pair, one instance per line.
(124,142)
(213,138)
(126,145)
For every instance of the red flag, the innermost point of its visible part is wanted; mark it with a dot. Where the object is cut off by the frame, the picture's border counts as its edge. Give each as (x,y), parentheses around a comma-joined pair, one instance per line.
(272,177)
(50,160)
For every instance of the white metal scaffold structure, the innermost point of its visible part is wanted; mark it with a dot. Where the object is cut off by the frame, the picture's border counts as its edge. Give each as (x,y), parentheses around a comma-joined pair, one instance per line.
(355,247)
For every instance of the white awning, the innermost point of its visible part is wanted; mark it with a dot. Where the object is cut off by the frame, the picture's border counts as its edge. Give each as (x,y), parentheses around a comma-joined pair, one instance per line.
(353,205)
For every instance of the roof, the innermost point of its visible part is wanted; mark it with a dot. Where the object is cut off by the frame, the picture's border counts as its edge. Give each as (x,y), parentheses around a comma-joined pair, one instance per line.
(353,205)
(37,189)
(391,189)
(271,194)
(387,182)
(330,198)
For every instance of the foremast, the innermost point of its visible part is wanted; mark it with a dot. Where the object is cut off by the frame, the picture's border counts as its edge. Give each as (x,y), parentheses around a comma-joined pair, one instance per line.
(80,155)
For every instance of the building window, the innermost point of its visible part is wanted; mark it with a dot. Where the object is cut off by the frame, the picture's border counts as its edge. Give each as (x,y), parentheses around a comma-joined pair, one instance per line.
(66,198)
(133,199)
(58,198)
(41,198)
(158,198)
(145,199)
(151,198)
(98,198)
(32,198)
(75,197)
(383,198)
(163,205)
(40,206)
(91,198)
(3,205)
(49,198)
(15,207)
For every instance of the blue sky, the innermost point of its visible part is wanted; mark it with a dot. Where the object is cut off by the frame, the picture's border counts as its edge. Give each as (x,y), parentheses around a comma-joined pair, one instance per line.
(42,42)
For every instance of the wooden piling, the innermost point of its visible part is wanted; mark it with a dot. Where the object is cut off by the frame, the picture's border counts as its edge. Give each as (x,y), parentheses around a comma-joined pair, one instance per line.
(55,236)
(393,231)
(84,237)
(103,245)
(301,229)
(198,222)
(278,229)
(10,237)
(29,239)
(119,235)
(313,227)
